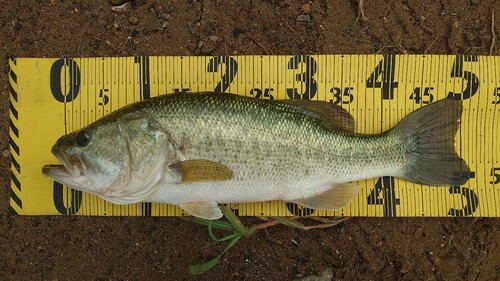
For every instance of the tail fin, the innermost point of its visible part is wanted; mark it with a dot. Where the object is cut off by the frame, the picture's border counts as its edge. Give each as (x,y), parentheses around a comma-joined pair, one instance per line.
(430,135)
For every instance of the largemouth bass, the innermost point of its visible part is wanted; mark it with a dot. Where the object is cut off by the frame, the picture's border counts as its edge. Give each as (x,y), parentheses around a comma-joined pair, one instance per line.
(197,150)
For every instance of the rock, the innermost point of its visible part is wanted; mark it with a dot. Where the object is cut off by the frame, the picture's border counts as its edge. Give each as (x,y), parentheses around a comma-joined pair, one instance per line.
(122,8)
(164,16)
(17,26)
(236,32)
(6,153)
(303,18)
(419,233)
(214,38)
(133,20)
(327,275)
(164,25)
(306,9)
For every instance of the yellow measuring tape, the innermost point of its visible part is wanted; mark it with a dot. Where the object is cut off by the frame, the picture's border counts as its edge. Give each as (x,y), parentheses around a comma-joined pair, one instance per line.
(51,97)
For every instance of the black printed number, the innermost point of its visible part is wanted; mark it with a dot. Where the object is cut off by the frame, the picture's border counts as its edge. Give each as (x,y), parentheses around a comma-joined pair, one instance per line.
(258,94)
(426,97)
(469,77)
(496,93)
(471,198)
(306,77)
(104,97)
(73,199)
(384,194)
(383,77)
(229,74)
(345,97)
(65,80)
(495,173)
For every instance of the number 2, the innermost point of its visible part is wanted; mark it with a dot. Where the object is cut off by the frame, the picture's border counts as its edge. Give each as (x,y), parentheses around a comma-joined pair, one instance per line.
(229,74)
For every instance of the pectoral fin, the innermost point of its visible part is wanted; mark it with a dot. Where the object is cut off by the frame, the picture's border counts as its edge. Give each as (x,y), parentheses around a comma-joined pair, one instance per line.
(206,210)
(201,171)
(337,197)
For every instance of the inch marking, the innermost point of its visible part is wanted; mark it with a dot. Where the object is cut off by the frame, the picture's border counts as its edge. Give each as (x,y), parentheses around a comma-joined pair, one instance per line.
(306,77)
(383,77)
(384,194)
(229,74)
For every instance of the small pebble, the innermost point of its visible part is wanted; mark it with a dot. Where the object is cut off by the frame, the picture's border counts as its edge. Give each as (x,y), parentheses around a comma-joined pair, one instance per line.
(122,8)
(133,20)
(158,8)
(6,153)
(164,25)
(326,275)
(164,16)
(17,26)
(237,32)
(214,38)
(306,8)
(303,18)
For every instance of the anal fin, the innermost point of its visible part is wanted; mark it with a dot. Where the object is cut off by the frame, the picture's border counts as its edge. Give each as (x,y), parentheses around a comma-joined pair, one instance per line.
(339,196)
(206,210)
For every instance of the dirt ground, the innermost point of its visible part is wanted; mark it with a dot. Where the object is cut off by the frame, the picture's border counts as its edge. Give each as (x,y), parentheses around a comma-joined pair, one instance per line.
(130,248)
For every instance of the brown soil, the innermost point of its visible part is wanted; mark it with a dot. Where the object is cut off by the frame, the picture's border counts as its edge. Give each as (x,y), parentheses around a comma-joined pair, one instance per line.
(102,248)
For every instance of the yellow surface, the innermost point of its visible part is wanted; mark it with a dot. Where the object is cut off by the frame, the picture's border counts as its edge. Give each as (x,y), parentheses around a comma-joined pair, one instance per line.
(377,90)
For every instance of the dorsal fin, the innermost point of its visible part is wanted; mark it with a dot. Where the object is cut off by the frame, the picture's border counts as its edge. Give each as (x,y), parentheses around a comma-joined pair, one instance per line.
(334,116)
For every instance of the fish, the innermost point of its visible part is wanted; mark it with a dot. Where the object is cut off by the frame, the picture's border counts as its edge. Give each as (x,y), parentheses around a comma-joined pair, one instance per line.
(199,150)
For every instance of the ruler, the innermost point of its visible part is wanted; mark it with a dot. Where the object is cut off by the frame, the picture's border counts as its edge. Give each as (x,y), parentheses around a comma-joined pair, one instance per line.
(54,96)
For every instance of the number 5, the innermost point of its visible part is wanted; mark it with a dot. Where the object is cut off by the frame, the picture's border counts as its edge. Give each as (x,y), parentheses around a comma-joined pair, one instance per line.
(495,175)
(468,76)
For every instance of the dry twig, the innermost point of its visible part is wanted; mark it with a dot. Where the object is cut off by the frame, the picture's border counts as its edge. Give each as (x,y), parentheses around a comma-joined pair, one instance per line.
(434,41)
(493,37)
(361,12)
(257,42)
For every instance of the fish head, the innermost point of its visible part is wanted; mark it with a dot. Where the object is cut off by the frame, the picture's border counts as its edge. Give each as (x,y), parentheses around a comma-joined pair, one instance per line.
(119,159)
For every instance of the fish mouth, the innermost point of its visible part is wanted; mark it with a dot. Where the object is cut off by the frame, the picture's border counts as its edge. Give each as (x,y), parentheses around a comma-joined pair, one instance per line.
(71,167)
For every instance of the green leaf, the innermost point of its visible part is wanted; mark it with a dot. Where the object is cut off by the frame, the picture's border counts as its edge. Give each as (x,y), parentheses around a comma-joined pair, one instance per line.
(217,224)
(235,222)
(229,237)
(201,268)
(289,222)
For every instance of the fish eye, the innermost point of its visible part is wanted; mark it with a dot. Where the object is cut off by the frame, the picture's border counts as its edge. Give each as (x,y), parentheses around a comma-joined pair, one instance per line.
(82,138)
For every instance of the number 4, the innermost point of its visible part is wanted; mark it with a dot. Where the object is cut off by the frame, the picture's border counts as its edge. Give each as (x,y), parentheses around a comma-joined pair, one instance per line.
(383,77)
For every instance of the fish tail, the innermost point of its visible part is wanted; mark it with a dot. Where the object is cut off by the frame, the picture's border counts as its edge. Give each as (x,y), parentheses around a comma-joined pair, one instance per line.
(430,141)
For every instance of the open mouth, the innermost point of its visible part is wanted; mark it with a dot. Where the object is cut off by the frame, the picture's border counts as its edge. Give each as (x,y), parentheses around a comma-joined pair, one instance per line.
(71,167)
